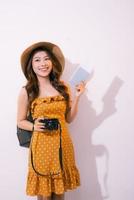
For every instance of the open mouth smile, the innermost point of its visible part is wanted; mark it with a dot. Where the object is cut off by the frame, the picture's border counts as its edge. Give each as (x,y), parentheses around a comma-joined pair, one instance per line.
(43,69)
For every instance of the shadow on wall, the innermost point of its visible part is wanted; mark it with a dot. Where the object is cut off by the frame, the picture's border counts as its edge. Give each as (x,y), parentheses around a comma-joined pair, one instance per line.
(83,129)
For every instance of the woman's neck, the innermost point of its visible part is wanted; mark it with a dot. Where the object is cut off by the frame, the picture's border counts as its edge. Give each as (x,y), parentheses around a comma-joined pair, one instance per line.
(43,81)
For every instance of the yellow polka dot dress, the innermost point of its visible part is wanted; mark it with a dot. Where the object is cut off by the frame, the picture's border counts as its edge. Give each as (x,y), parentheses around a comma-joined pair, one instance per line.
(45,174)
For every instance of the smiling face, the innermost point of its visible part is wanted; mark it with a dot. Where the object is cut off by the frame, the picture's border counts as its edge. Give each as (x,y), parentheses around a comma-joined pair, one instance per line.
(42,64)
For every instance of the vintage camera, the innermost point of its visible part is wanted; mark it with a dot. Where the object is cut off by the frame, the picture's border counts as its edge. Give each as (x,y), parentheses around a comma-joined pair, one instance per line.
(50,123)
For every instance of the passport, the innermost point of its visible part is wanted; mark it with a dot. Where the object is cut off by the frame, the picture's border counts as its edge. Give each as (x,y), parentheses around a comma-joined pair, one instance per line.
(80,74)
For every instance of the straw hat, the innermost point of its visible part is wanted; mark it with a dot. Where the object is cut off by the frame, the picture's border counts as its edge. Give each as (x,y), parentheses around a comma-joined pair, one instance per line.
(52,48)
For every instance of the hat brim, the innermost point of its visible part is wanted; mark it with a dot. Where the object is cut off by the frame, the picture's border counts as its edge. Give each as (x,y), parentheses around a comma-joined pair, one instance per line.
(54,49)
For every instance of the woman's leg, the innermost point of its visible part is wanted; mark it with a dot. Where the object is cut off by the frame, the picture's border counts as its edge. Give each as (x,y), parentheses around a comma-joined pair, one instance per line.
(58,197)
(47,198)
(40,197)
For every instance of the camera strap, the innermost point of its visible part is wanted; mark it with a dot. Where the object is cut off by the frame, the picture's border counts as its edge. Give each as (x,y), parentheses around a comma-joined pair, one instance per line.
(60,158)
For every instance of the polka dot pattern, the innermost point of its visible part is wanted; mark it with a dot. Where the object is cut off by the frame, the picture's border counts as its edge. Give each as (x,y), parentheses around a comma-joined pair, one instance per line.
(45,150)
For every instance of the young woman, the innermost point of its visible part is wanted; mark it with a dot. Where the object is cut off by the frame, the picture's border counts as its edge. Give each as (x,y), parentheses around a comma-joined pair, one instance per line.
(52,169)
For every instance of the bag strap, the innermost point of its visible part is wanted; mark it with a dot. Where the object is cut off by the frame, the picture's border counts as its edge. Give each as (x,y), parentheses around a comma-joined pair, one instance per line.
(60,157)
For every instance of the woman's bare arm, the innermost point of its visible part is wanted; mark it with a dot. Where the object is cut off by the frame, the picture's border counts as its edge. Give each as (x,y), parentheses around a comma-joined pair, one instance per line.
(22,109)
(73,104)
(73,110)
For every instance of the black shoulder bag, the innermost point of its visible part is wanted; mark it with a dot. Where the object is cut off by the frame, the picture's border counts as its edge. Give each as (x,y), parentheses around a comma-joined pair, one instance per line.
(24,136)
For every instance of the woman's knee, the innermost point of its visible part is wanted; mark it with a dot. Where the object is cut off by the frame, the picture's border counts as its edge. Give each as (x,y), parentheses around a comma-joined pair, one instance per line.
(58,197)
(40,197)
(47,198)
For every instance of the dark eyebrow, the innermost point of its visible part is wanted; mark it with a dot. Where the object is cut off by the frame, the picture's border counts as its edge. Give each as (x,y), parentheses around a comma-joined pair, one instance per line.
(39,57)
